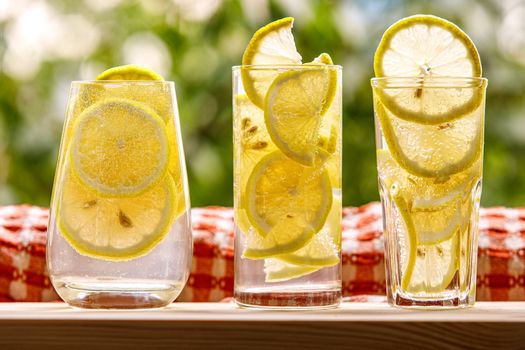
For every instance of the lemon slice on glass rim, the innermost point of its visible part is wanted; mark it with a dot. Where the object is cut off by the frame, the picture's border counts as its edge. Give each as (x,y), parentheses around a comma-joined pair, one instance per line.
(271,45)
(434,50)
(129,72)
(119,147)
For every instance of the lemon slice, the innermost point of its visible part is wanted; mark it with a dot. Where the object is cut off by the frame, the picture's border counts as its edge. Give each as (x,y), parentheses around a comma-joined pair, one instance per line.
(119,147)
(426,268)
(407,239)
(254,140)
(435,205)
(294,106)
(428,47)
(129,72)
(323,249)
(320,251)
(272,45)
(436,226)
(115,228)
(145,88)
(175,169)
(279,271)
(436,151)
(253,143)
(435,267)
(286,203)
(325,59)
(427,193)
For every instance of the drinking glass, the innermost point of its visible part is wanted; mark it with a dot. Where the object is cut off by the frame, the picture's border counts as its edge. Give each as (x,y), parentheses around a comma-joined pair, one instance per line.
(119,228)
(287,185)
(429,138)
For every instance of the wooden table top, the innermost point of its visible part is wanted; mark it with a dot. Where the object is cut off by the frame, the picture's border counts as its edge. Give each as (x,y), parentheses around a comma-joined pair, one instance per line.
(488,325)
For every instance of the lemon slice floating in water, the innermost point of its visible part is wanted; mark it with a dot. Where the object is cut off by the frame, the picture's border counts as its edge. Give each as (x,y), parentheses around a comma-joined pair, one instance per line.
(277,270)
(294,108)
(115,228)
(434,151)
(287,204)
(119,147)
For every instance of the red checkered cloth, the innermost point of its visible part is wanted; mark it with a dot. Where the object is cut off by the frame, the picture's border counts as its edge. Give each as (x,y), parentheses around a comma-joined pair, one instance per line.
(501,265)
(23,275)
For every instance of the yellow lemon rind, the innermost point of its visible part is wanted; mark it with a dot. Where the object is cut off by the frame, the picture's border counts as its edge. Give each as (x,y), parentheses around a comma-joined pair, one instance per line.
(252,49)
(429,20)
(129,72)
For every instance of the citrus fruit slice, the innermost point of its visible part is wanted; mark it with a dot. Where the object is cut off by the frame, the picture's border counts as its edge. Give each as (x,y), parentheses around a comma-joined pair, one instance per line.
(277,270)
(426,268)
(176,168)
(271,45)
(435,206)
(287,204)
(435,151)
(119,147)
(147,87)
(294,105)
(320,251)
(437,224)
(325,59)
(323,249)
(252,144)
(129,72)
(114,228)
(428,47)
(435,267)
(427,193)
(254,140)
(406,237)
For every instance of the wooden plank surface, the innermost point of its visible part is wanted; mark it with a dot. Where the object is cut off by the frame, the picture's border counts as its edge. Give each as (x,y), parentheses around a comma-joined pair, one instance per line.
(225,326)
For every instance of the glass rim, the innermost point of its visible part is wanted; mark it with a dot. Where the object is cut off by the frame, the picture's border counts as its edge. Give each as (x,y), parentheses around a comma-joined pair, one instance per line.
(123,82)
(285,66)
(434,82)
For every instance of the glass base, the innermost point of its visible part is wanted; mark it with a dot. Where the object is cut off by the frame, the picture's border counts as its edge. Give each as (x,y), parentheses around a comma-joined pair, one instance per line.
(265,298)
(431,304)
(113,294)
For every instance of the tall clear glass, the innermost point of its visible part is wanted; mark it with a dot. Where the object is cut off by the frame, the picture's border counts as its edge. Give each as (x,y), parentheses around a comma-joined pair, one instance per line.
(119,230)
(429,137)
(287,185)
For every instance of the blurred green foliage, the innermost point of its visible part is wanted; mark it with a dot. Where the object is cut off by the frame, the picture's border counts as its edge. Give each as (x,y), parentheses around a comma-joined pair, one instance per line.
(46,44)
